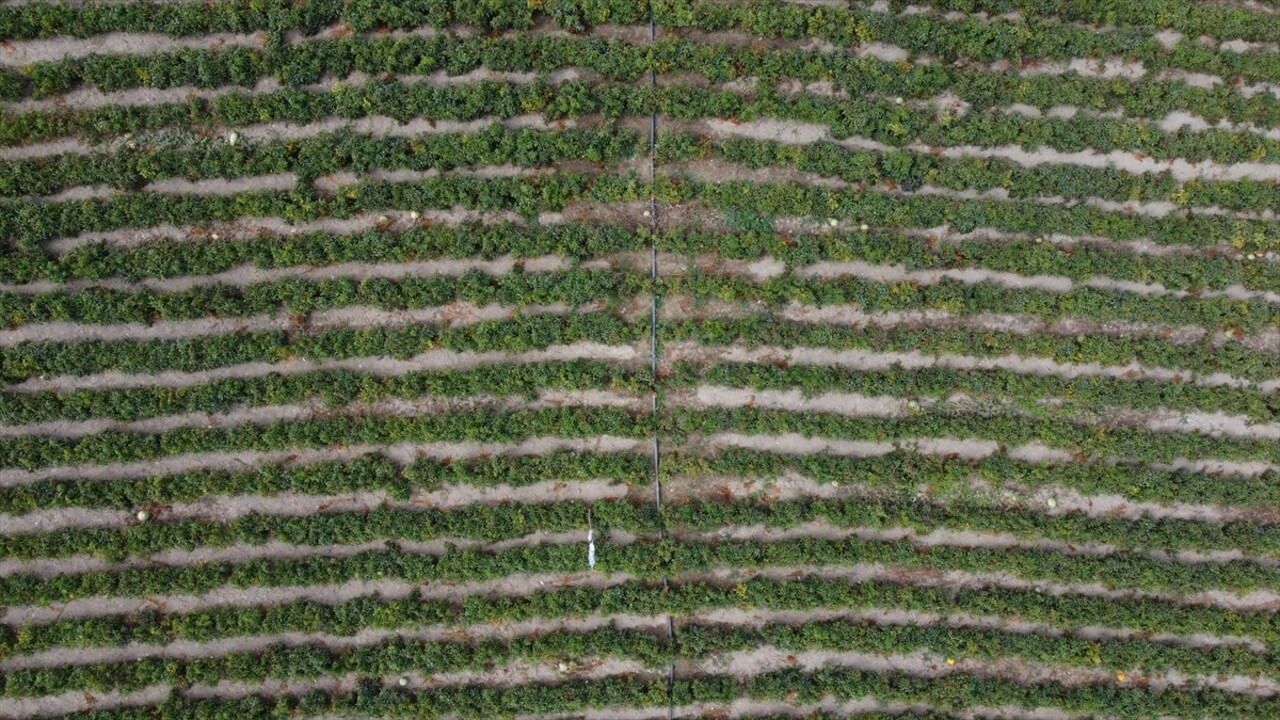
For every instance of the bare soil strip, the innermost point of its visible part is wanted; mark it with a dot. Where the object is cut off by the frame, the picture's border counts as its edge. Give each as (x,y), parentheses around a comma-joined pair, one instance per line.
(250,227)
(513,674)
(45,50)
(374,125)
(872,361)
(805,133)
(230,596)
(217,508)
(403,453)
(967,448)
(455,314)
(331,184)
(380,366)
(745,664)
(857,405)
(315,408)
(681,308)
(243,552)
(246,275)
(192,650)
(717,170)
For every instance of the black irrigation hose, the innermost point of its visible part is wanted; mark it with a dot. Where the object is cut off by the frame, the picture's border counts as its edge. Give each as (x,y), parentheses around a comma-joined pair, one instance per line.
(653,351)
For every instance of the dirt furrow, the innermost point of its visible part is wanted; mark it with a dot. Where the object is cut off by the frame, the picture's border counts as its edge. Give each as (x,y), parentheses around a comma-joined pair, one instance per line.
(890,617)
(748,708)
(768,267)
(143,44)
(1049,283)
(455,314)
(225,509)
(801,133)
(966,448)
(403,453)
(522,585)
(754,618)
(1218,424)
(330,184)
(240,597)
(950,537)
(245,275)
(241,553)
(877,360)
(15,54)
(315,408)
(1257,600)
(92,98)
(745,664)
(373,125)
(380,366)
(249,227)
(514,674)
(192,650)
(1050,499)
(1266,341)
(715,171)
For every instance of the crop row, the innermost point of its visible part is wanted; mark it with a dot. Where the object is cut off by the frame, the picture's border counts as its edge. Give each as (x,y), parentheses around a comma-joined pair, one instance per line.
(481,522)
(524,332)
(370,472)
(203,255)
(295,662)
(881,208)
(990,39)
(980,86)
(105,306)
(492,523)
(1119,438)
(374,98)
(312,158)
(964,299)
(372,698)
(767,329)
(1078,261)
(1121,570)
(884,120)
(957,691)
(335,388)
(1075,528)
(877,118)
(1147,620)
(978,38)
(304,63)
(579,242)
(32,223)
(1189,17)
(307,62)
(1085,436)
(696,641)
(323,430)
(910,170)
(905,471)
(1031,393)
(579,286)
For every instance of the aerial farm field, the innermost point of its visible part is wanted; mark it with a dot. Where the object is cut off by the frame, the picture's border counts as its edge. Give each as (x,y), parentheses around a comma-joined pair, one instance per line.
(639,359)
